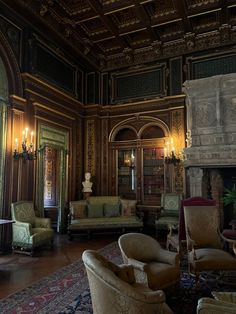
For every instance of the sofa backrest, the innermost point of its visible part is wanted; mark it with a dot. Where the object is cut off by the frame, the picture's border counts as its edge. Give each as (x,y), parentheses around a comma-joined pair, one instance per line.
(107,206)
(100,200)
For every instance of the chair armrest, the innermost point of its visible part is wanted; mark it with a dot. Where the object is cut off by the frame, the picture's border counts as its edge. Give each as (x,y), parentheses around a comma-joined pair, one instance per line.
(168,257)
(22,230)
(191,243)
(225,296)
(208,306)
(172,228)
(157,296)
(70,217)
(137,264)
(42,222)
(232,241)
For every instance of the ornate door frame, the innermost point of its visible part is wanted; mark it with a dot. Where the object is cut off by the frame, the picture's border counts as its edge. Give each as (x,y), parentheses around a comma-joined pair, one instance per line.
(58,139)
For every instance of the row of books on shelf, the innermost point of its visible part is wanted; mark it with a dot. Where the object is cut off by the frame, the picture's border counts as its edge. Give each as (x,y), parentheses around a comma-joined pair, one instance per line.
(153,190)
(153,162)
(153,153)
(153,172)
(153,180)
(124,180)
(123,190)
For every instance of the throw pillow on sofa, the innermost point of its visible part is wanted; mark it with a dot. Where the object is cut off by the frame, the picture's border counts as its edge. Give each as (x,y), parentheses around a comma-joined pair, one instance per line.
(111,210)
(128,207)
(79,211)
(95,211)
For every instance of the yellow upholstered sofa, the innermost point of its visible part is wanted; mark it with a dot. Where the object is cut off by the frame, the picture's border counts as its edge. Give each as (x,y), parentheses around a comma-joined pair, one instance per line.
(103,213)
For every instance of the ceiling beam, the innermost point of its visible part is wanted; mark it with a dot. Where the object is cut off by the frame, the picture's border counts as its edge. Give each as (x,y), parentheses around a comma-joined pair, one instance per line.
(106,21)
(181,7)
(145,19)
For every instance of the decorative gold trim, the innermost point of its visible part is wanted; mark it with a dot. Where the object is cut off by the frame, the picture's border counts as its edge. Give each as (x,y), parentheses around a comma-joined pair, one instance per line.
(53,110)
(120,9)
(17,98)
(134,31)
(90,151)
(165,23)
(203,13)
(29,77)
(50,121)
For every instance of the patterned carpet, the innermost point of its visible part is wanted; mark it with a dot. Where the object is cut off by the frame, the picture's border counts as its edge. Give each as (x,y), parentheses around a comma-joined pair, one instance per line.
(67,292)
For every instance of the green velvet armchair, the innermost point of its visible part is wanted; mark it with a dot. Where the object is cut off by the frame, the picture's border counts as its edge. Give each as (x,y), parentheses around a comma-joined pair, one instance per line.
(29,231)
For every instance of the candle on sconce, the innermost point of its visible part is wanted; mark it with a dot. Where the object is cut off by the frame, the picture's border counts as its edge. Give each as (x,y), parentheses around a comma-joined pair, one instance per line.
(23,136)
(26,134)
(167,148)
(165,152)
(16,144)
(31,137)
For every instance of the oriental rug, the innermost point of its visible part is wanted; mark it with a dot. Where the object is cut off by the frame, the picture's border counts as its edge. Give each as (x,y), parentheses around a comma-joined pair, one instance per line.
(67,291)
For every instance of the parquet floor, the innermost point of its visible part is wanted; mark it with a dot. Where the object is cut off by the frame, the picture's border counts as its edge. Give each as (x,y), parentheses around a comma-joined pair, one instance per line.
(17,271)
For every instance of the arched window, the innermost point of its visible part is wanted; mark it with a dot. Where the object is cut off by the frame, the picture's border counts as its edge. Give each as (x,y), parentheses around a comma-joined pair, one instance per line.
(152,131)
(125,134)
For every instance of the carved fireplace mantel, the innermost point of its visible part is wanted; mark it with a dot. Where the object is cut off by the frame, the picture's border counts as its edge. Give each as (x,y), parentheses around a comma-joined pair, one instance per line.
(211,121)
(211,128)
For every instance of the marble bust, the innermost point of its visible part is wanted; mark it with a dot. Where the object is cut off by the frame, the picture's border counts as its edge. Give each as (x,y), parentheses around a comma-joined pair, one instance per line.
(87,184)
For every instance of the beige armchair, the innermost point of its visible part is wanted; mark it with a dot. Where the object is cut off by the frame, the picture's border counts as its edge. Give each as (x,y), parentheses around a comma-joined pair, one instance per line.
(29,231)
(114,290)
(223,303)
(205,242)
(153,265)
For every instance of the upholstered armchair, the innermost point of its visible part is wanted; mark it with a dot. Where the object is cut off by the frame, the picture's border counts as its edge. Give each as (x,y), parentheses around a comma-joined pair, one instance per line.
(176,238)
(153,265)
(29,231)
(223,303)
(170,205)
(114,290)
(205,242)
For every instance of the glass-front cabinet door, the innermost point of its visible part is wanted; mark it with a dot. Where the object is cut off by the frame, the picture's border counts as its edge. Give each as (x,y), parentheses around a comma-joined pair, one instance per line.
(127,180)
(153,175)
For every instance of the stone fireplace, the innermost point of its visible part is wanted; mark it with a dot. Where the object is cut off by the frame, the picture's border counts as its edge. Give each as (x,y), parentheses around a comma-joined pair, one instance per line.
(210,155)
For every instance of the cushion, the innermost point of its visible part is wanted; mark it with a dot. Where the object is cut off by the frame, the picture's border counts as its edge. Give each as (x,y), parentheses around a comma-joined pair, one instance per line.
(126,273)
(128,207)
(78,210)
(111,210)
(95,210)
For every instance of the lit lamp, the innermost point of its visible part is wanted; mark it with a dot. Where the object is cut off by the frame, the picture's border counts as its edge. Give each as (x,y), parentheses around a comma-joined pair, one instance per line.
(27,151)
(169,153)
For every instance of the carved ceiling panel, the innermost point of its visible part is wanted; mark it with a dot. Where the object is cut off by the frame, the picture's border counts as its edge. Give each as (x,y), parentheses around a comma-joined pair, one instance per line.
(106,30)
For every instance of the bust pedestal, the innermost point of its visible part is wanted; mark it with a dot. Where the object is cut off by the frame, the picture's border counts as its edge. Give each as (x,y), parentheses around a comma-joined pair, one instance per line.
(86,195)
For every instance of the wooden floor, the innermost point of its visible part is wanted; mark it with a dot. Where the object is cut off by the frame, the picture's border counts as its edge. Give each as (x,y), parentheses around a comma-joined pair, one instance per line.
(18,271)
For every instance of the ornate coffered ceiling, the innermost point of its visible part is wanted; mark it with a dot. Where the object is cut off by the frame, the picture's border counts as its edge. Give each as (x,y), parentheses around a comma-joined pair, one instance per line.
(118,33)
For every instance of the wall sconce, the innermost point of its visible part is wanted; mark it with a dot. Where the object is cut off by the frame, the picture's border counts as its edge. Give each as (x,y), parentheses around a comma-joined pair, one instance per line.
(169,153)
(27,151)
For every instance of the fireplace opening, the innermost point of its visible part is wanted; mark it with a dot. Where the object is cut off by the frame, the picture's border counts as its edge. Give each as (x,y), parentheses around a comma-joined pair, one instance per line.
(229,179)
(216,180)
